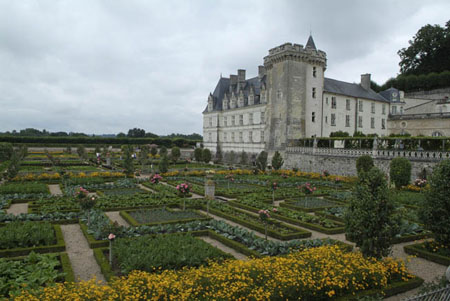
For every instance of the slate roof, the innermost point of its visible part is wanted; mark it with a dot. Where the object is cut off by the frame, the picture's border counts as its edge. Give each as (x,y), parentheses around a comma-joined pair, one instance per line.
(388,94)
(310,43)
(223,87)
(349,89)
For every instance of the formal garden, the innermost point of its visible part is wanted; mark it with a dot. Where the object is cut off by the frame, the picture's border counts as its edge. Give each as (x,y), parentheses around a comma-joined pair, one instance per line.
(139,222)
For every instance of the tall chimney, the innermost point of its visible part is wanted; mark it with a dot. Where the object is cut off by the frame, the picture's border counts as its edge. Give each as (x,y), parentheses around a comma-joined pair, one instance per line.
(241,75)
(233,79)
(261,71)
(365,81)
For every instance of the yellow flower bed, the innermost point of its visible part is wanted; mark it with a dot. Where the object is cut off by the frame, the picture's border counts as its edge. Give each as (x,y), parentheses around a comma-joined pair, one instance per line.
(411,187)
(314,273)
(57,176)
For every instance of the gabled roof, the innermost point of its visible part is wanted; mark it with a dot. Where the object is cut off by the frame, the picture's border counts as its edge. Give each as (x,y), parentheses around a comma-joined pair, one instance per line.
(349,89)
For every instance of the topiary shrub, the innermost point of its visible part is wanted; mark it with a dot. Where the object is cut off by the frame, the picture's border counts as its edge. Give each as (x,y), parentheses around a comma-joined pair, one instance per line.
(261,161)
(6,150)
(364,163)
(277,161)
(206,154)
(163,164)
(175,153)
(198,154)
(400,172)
(436,207)
(370,220)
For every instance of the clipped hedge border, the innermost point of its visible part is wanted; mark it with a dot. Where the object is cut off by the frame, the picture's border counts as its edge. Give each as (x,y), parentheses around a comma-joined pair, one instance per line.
(416,249)
(391,289)
(134,223)
(93,243)
(329,216)
(298,234)
(60,246)
(288,204)
(67,267)
(310,226)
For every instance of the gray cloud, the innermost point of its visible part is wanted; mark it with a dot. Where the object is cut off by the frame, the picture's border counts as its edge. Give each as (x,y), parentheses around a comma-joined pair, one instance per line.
(100,66)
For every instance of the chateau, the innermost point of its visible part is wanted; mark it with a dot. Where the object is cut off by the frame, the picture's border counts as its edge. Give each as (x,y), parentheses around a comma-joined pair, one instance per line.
(289,99)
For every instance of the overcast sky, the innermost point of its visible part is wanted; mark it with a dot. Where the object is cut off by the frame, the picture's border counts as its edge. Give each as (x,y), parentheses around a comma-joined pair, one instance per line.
(108,66)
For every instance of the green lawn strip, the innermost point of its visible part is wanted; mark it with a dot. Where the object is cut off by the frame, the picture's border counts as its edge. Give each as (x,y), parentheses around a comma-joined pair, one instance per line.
(133,222)
(58,247)
(420,251)
(103,260)
(393,288)
(296,233)
(310,226)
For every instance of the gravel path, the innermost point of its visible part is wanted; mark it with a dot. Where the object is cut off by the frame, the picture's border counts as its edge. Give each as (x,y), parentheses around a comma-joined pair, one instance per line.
(17,208)
(223,247)
(145,188)
(81,256)
(55,189)
(114,216)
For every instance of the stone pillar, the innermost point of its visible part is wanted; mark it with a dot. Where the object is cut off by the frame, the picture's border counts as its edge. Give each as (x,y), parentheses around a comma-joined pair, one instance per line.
(210,187)
(375,147)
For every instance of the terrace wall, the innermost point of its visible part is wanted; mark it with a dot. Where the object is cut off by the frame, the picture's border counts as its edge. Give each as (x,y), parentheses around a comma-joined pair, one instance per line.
(343,161)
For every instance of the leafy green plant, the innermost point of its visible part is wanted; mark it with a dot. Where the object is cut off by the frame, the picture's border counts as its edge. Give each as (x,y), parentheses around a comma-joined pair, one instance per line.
(370,219)
(29,273)
(27,234)
(24,188)
(162,215)
(436,208)
(173,251)
(364,163)
(400,172)
(277,161)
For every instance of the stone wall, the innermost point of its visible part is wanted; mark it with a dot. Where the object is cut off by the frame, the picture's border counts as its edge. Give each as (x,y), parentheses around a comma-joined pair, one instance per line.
(432,94)
(344,166)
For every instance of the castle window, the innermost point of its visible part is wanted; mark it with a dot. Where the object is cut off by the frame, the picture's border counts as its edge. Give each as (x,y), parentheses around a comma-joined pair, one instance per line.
(333,102)
(250,136)
(233,120)
(372,108)
(250,118)
(360,121)
(394,110)
(313,92)
(210,122)
(436,134)
(314,72)
(383,124)
(372,122)
(240,137)
(262,136)
(241,119)
(347,120)
(326,119)
(262,117)
(313,117)
(383,108)
(225,121)
(326,100)
(360,106)
(210,137)
(333,119)
(225,137)
(232,136)
(347,104)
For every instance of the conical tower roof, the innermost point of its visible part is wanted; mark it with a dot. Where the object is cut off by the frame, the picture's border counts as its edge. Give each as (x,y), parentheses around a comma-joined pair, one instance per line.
(310,43)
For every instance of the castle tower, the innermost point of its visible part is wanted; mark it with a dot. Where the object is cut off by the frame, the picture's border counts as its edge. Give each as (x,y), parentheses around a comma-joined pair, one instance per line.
(295,80)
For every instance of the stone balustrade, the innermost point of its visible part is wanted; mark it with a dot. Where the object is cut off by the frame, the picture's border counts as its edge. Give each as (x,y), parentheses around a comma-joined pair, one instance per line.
(376,153)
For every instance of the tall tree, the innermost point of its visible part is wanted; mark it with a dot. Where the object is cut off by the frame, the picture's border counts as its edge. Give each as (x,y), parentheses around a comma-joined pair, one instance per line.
(136,133)
(428,51)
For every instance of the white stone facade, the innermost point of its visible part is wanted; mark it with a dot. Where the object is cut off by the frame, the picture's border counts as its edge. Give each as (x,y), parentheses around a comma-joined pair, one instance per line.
(289,99)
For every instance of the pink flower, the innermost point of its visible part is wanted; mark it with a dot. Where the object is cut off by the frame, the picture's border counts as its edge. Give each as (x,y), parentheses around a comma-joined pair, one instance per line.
(111,236)
(274,209)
